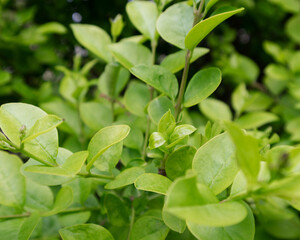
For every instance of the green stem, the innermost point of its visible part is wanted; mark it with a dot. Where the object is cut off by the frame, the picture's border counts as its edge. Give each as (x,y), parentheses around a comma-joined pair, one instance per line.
(80,209)
(151,89)
(15,216)
(197,18)
(131,222)
(183,83)
(101,176)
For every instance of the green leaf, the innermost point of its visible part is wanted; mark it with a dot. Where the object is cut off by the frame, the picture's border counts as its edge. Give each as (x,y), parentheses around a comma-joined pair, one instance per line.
(203,28)
(244,230)
(126,177)
(38,197)
(158,107)
(81,188)
(116,210)
(256,119)
(167,123)
(215,109)
(149,228)
(294,62)
(84,232)
(17,116)
(135,138)
(153,183)
(175,62)
(113,80)
(292,28)
(95,115)
(247,152)
(117,25)
(69,168)
(215,163)
(52,27)
(202,85)
(64,110)
(158,77)
(9,229)
(104,139)
(5,77)
(156,140)
(63,200)
(73,218)
(174,223)
(45,179)
(179,133)
(195,203)
(122,51)
(110,158)
(136,98)
(28,226)
(143,15)
(174,24)
(94,39)
(42,126)
(239,97)
(209,4)
(12,183)
(179,161)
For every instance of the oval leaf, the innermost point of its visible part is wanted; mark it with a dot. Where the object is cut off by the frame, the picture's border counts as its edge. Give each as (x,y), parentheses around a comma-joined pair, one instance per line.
(202,85)
(153,183)
(203,28)
(174,24)
(158,77)
(104,139)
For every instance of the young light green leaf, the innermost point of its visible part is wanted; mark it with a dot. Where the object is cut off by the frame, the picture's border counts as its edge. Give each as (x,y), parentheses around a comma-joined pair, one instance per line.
(247,152)
(157,140)
(158,77)
(64,199)
(117,26)
(256,119)
(84,232)
(244,230)
(126,177)
(143,15)
(28,226)
(175,62)
(94,39)
(239,98)
(136,98)
(179,133)
(122,51)
(116,210)
(203,28)
(45,179)
(153,183)
(52,27)
(104,139)
(215,163)
(17,116)
(208,5)
(196,203)
(215,109)
(69,168)
(202,85)
(149,228)
(167,123)
(179,161)
(12,182)
(175,33)
(9,228)
(42,126)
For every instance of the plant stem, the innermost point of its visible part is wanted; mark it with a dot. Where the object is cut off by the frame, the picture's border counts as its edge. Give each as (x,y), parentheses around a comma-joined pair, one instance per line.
(188,57)
(95,176)
(197,18)
(151,89)
(131,222)
(80,209)
(15,216)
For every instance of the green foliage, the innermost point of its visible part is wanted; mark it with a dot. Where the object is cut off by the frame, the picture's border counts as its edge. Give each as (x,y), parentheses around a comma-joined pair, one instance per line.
(118,147)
